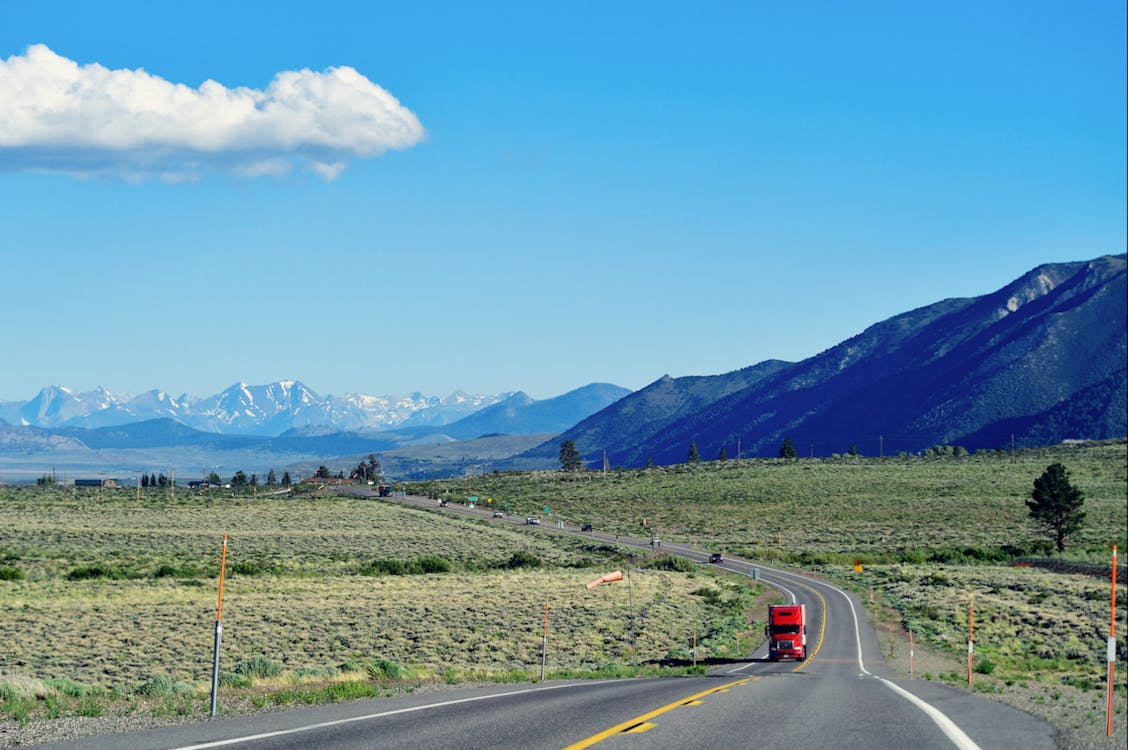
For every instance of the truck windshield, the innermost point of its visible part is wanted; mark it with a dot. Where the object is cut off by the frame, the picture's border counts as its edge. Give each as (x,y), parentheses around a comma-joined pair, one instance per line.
(784,629)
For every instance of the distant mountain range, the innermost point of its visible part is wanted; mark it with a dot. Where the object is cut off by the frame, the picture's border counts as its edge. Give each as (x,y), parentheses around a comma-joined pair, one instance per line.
(28,452)
(1041,360)
(243,409)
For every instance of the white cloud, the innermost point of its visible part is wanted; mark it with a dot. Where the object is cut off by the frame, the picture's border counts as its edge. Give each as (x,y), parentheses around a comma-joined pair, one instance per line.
(59,116)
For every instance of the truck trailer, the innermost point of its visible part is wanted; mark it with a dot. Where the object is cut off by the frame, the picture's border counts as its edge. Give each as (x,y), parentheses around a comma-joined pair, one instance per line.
(787,632)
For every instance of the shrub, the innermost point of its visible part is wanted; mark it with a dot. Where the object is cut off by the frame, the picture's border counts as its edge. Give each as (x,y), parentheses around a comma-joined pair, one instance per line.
(171,571)
(258,666)
(252,568)
(432,564)
(67,687)
(521,559)
(710,596)
(383,669)
(8,573)
(669,562)
(162,686)
(111,572)
(230,679)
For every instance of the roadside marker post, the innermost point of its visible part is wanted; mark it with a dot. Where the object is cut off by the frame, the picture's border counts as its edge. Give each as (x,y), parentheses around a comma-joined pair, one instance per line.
(218,629)
(910,653)
(1111,645)
(544,642)
(970,637)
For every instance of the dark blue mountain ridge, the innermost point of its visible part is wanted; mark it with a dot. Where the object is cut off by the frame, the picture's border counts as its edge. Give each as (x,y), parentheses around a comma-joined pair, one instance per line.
(1044,357)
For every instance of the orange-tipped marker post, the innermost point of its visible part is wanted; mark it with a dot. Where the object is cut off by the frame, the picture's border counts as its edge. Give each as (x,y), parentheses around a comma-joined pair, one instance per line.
(218,629)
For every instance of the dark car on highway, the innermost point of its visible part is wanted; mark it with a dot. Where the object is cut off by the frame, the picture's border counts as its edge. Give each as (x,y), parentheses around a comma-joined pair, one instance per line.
(716,557)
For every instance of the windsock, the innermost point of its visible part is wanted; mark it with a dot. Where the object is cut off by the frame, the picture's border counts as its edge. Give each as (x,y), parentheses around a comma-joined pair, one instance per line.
(616,575)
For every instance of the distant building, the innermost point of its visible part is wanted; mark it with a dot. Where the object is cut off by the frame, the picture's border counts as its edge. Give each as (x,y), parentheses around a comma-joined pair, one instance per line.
(112,484)
(198,484)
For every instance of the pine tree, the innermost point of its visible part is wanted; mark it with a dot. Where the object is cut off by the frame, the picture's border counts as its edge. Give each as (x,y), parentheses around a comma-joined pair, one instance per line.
(271,478)
(285,479)
(1056,503)
(787,450)
(570,458)
(693,456)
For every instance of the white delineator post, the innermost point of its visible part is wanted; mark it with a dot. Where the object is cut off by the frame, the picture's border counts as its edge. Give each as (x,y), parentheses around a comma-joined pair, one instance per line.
(1111,645)
(544,642)
(910,653)
(970,638)
(218,629)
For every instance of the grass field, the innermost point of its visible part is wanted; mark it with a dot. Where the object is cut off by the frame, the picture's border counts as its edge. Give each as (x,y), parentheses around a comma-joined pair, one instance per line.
(117,599)
(824,510)
(110,602)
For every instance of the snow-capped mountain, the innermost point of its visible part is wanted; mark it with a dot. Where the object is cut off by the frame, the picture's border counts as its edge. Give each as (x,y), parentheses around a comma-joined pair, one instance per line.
(244,409)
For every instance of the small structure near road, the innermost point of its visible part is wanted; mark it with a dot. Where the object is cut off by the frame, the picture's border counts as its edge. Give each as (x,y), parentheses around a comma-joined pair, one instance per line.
(110,484)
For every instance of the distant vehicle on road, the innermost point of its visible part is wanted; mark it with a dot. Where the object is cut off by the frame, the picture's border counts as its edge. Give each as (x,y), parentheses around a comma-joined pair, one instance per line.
(586,527)
(716,557)
(532,521)
(498,514)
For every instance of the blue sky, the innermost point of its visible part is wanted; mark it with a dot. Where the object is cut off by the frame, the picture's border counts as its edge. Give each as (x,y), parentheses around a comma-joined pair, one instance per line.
(564,193)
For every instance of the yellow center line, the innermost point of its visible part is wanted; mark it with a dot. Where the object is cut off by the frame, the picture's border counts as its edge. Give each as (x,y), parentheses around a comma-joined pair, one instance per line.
(640,720)
(822,628)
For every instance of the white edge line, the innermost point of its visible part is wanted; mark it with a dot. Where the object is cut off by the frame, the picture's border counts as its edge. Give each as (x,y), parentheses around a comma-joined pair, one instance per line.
(947,726)
(366,717)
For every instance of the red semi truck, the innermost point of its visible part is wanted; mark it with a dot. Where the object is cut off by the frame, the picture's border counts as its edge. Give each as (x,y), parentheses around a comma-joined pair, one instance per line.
(787,631)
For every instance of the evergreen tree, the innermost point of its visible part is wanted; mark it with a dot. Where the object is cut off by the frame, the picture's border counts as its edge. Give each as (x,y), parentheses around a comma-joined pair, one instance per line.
(152,480)
(570,458)
(787,450)
(145,481)
(322,472)
(285,479)
(853,450)
(254,480)
(239,479)
(722,456)
(693,456)
(1056,503)
(271,478)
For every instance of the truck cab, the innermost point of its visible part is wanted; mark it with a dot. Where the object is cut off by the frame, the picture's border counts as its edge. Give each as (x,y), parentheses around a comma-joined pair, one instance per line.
(787,632)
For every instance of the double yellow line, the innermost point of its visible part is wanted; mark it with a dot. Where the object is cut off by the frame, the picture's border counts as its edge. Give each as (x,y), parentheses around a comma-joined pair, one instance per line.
(639,723)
